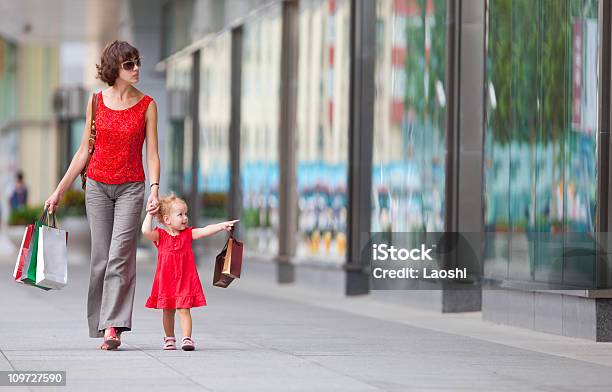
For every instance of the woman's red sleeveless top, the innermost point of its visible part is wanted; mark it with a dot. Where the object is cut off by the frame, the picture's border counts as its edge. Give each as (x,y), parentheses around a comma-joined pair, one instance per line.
(120,134)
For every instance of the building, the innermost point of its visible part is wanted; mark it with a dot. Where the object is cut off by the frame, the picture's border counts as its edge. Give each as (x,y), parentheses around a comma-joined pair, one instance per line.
(320,121)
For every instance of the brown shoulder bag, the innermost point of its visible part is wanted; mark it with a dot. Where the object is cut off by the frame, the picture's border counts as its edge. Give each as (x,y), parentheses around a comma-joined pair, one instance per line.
(92,139)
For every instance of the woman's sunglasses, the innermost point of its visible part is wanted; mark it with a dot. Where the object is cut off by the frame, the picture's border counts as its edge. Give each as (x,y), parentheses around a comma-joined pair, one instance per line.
(130,64)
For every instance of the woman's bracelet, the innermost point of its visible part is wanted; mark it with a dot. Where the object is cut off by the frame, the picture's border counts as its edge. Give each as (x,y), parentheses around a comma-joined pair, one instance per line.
(155,183)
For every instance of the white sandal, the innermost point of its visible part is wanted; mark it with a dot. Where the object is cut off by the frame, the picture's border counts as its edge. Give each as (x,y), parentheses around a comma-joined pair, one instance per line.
(188,344)
(169,343)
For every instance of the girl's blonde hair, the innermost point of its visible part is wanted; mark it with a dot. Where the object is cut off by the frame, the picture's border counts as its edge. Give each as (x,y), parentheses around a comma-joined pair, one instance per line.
(165,205)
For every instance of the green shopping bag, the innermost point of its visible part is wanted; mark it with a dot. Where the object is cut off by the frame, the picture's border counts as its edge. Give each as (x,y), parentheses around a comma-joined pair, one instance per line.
(30,276)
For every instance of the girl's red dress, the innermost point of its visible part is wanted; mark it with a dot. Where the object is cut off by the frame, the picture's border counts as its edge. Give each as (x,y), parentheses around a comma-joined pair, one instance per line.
(176,284)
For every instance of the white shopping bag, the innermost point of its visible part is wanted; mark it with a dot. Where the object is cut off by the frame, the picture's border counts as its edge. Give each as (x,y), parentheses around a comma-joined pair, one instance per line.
(52,261)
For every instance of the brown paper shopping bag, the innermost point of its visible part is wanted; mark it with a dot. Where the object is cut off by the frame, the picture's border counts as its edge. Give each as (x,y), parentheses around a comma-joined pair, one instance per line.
(228,262)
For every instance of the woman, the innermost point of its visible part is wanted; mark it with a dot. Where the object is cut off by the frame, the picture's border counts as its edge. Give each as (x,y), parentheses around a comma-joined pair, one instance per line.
(125,118)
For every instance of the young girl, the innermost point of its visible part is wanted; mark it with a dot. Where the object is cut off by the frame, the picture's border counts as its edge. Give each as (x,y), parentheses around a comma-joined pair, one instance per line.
(176,285)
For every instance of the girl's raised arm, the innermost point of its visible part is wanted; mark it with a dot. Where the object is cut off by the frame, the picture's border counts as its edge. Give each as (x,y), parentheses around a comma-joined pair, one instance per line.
(147,228)
(212,229)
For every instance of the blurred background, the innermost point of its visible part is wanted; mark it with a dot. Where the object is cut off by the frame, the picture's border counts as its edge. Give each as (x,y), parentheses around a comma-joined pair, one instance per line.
(257,106)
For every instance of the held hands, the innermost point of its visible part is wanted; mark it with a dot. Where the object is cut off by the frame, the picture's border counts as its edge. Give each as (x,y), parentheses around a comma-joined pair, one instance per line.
(228,225)
(152,204)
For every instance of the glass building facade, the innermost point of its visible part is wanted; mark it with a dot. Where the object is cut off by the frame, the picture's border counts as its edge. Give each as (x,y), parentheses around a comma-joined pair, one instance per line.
(9,146)
(28,76)
(322,129)
(539,134)
(259,147)
(214,119)
(8,80)
(409,147)
(180,127)
(541,127)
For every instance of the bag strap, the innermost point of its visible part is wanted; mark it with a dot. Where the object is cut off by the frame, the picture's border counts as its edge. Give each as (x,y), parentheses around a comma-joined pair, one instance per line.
(231,236)
(52,222)
(92,133)
(226,244)
(50,218)
(43,215)
(92,139)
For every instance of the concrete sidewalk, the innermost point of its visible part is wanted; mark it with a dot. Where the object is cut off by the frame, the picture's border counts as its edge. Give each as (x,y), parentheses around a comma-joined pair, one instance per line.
(258,336)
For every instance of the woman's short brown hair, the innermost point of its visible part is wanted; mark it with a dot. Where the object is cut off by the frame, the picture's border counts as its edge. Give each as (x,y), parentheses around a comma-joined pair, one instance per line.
(112,56)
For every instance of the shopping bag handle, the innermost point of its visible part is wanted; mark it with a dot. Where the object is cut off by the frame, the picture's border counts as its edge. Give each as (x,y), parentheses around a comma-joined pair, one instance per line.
(47,214)
(54,225)
(231,235)
(225,246)
(43,215)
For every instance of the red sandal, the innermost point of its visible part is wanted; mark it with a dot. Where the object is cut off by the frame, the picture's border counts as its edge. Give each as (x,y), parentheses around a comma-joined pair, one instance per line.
(112,340)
